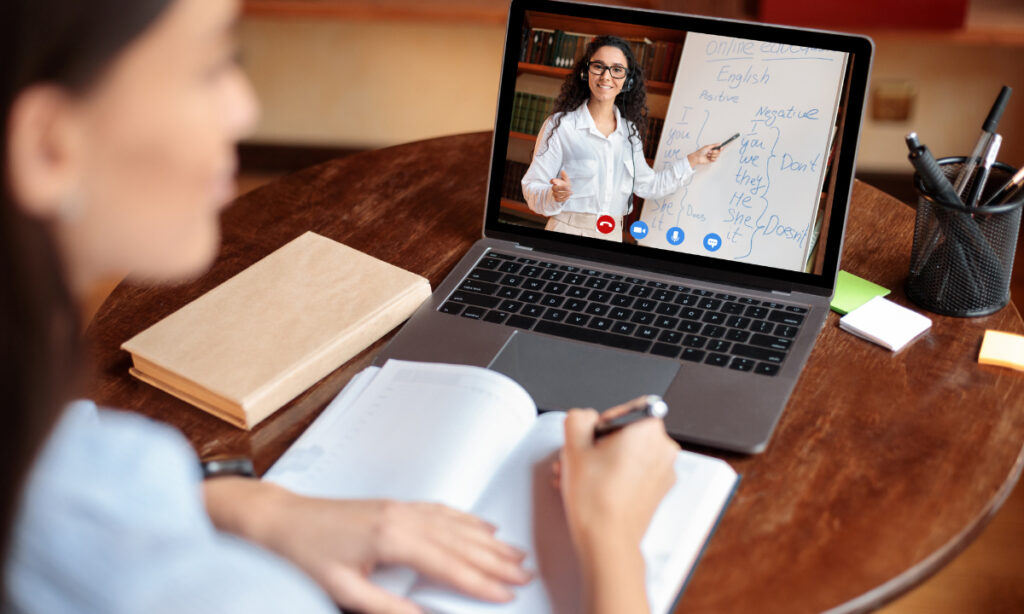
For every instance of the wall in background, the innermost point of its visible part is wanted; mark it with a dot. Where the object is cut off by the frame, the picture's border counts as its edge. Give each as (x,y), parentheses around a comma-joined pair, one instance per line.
(368,84)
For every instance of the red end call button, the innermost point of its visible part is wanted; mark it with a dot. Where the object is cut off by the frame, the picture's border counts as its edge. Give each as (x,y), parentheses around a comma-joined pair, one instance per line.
(605,224)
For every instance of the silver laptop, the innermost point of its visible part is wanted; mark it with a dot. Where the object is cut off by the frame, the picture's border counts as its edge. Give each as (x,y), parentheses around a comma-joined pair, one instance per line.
(710,290)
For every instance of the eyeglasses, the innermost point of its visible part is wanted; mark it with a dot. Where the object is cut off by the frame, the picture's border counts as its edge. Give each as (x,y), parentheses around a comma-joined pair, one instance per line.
(598,68)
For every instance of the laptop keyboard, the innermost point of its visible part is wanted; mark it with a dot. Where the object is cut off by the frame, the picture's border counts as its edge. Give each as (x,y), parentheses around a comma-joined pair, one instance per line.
(694,324)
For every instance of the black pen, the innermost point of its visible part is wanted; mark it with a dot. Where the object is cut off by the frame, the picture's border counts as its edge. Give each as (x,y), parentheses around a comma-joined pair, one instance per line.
(727,141)
(988,129)
(932,177)
(650,406)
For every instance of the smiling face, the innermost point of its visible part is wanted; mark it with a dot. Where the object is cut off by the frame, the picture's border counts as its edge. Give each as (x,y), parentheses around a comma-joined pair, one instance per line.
(605,86)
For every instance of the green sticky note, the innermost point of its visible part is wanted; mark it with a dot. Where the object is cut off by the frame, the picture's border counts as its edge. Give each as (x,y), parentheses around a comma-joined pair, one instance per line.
(853,291)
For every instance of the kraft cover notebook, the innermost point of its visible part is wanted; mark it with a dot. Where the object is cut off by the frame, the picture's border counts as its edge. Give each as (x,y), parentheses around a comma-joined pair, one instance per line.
(472,439)
(258,340)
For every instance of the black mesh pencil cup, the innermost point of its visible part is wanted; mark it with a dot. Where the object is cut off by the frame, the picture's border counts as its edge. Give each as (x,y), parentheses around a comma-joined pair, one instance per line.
(962,259)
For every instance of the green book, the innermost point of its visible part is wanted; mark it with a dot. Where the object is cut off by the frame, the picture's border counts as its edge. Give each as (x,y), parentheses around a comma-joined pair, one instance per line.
(853,291)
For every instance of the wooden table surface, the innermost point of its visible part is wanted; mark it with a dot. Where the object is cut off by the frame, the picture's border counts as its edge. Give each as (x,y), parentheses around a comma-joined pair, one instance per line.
(882,468)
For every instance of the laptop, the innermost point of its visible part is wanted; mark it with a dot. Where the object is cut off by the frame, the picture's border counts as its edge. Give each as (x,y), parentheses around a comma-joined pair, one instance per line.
(711,295)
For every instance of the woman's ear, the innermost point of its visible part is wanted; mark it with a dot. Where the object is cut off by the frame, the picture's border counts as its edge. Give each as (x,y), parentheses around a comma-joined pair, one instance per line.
(43,151)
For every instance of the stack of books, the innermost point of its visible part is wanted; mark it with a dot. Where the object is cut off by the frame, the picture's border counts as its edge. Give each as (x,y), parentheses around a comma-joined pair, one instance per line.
(546,47)
(512,188)
(529,112)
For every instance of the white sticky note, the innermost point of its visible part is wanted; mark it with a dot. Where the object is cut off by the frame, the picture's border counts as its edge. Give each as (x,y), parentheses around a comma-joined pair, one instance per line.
(885,323)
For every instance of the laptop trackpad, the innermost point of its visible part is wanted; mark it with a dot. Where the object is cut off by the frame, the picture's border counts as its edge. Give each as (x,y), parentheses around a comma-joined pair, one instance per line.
(561,374)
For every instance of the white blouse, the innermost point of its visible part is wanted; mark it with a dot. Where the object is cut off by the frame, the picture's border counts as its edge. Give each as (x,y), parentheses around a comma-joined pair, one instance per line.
(603,170)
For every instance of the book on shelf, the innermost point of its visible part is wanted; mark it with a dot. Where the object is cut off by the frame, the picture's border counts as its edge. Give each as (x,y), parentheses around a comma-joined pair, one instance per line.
(529,112)
(258,340)
(472,439)
(512,188)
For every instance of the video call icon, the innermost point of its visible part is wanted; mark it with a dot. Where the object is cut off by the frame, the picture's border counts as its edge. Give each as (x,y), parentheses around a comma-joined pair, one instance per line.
(638,229)
(712,242)
(605,224)
(675,235)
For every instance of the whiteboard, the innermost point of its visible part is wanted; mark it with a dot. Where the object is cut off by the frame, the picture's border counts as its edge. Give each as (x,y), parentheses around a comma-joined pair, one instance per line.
(758,201)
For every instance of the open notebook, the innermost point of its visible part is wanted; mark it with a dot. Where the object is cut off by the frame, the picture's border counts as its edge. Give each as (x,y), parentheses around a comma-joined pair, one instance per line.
(472,439)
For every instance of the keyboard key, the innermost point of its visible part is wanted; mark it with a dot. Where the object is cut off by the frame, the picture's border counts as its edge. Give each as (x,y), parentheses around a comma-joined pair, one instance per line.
(526,260)
(757,353)
(508,292)
(796,309)
(470,298)
(645,304)
(690,326)
(718,360)
(663,295)
(664,349)
(700,292)
(786,331)
(555,315)
(622,300)
(620,314)
(737,322)
(676,288)
(591,272)
(641,291)
(611,276)
(596,283)
(642,317)
(710,303)
(574,279)
(623,328)
(534,284)
(755,312)
(691,313)
(577,319)
(733,308)
(475,313)
(765,368)
(670,336)
(577,292)
(552,275)
(775,343)
(484,275)
(635,280)
(569,268)
(521,322)
(480,287)
(547,265)
(496,316)
(451,307)
(555,288)
(510,267)
(533,311)
(694,341)
(646,332)
(742,364)
(687,299)
(760,326)
(489,263)
(785,317)
(772,305)
(510,306)
(512,280)
(597,309)
(713,331)
(530,271)
(531,297)
(551,300)
(618,287)
(502,256)
(600,323)
(713,317)
(657,284)
(575,304)
(749,301)
(693,354)
(717,345)
(667,309)
(725,297)
(599,296)
(593,336)
(666,322)
(737,335)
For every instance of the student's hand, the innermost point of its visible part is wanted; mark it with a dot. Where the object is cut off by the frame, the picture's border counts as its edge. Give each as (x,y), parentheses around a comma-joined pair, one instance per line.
(704,155)
(339,542)
(561,187)
(611,487)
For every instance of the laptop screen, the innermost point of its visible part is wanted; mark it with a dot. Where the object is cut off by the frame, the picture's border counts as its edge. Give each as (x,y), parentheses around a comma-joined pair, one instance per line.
(691,145)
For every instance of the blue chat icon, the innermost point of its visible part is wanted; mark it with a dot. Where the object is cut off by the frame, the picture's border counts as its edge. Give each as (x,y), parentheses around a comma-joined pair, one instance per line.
(638,229)
(712,242)
(675,235)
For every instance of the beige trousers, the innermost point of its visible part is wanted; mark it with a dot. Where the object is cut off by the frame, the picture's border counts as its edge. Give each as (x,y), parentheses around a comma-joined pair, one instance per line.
(583,225)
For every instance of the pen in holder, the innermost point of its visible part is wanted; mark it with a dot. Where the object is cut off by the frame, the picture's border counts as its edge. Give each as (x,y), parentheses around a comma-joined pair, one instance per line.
(962,258)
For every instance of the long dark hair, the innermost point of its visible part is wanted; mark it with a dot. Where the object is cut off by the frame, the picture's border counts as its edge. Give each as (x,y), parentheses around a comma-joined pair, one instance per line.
(68,43)
(576,90)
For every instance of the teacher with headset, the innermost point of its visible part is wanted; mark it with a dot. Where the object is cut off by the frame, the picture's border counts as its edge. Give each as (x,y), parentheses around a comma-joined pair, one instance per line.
(589,159)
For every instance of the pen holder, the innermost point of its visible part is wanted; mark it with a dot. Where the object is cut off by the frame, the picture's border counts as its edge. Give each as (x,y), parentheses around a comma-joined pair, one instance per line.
(962,259)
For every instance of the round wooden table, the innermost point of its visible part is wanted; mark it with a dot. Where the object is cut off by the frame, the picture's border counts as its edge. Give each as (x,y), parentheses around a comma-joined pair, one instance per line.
(882,469)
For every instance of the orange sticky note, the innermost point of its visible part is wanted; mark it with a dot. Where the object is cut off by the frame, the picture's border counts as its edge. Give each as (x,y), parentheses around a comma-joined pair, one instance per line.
(1002,349)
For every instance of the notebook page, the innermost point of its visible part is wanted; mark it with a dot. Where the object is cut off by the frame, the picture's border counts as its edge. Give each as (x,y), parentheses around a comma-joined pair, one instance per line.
(416,431)
(528,512)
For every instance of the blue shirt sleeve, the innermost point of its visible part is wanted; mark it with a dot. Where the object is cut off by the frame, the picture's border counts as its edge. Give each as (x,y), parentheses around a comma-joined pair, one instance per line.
(112,520)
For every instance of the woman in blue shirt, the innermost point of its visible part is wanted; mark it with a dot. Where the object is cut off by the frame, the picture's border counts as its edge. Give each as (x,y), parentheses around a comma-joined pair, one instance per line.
(119,124)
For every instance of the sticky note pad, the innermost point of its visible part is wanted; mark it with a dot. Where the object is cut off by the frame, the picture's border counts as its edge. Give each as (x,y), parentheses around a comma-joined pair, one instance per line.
(1002,349)
(885,323)
(853,291)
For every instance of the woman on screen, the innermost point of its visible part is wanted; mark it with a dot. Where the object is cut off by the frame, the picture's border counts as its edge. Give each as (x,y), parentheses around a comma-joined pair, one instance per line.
(589,159)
